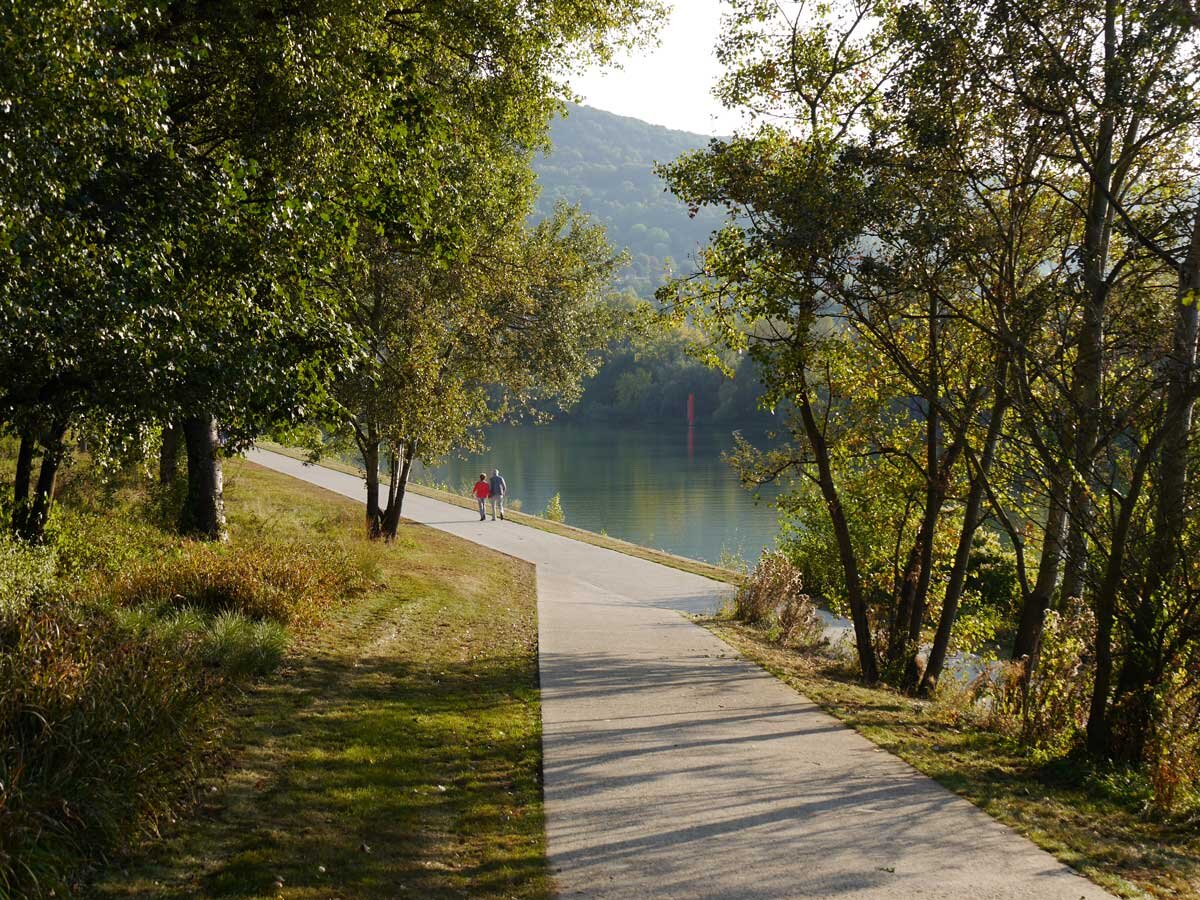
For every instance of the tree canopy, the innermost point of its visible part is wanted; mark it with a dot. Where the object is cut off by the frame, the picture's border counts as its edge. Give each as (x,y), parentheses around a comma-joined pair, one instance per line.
(183,183)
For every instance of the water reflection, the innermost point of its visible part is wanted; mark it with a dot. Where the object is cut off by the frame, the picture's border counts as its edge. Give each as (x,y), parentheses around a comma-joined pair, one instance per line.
(663,487)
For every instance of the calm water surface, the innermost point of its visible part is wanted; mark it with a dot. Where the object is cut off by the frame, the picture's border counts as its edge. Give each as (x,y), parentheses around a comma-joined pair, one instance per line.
(664,487)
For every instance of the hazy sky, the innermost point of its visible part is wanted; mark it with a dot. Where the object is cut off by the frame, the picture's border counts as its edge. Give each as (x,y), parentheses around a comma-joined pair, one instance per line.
(670,84)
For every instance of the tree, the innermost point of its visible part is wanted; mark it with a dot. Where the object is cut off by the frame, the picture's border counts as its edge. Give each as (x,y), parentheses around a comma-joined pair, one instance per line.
(968,256)
(516,321)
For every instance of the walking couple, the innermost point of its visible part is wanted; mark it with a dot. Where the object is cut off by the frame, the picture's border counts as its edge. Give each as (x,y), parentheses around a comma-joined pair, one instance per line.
(493,489)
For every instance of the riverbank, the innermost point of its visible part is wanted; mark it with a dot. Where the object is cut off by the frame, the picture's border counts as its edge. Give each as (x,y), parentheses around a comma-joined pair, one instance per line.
(683,563)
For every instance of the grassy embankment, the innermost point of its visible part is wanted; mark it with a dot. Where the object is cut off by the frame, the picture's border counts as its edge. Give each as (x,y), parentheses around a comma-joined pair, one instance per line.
(695,566)
(1095,821)
(299,714)
(398,751)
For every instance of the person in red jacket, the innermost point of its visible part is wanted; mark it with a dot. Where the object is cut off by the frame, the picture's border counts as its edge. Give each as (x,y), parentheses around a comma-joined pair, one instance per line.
(482,491)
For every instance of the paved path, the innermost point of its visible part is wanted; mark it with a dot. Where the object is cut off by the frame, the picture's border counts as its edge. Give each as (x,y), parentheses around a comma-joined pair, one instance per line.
(676,769)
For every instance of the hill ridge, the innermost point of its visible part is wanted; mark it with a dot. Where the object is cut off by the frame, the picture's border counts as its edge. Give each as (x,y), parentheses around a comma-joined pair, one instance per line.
(604,162)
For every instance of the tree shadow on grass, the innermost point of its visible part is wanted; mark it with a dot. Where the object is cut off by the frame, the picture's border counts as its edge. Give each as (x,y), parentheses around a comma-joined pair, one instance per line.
(390,773)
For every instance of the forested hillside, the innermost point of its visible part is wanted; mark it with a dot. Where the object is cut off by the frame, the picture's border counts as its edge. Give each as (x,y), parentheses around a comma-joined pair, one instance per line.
(605,163)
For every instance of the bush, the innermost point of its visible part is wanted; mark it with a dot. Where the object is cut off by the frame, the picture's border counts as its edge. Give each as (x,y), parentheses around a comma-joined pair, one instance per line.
(26,574)
(554,510)
(287,583)
(1049,711)
(800,624)
(1173,751)
(773,595)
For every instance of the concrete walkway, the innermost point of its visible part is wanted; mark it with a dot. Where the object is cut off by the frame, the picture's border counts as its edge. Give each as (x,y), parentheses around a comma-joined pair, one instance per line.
(676,769)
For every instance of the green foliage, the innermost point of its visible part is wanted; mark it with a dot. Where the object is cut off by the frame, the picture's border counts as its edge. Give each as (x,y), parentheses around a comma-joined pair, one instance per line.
(1048,710)
(903,263)
(182,187)
(514,325)
(27,575)
(554,511)
(648,375)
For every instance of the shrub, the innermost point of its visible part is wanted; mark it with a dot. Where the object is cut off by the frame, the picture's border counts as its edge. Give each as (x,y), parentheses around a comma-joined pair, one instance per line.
(800,624)
(26,574)
(1173,751)
(772,596)
(554,510)
(1049,710)
(288,583)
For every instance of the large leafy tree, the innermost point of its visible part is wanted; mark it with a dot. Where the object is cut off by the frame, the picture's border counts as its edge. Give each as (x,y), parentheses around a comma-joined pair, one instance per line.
(181,179)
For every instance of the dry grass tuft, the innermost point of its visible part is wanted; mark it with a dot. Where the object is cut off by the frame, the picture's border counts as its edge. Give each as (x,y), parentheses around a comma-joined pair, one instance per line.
(291,583)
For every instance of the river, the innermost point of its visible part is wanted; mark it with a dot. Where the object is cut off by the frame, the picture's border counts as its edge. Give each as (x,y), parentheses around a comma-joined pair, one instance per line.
(664,486)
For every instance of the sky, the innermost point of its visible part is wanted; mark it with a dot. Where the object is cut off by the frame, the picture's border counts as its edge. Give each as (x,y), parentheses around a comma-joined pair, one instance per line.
(669,84)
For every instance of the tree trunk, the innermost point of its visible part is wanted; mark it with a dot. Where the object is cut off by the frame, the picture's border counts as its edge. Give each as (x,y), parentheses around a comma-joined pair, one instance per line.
(168,455)
(916,589)
(966,537)
(32,525)
(841,530)
(1033,609)
(203,512)
(910,612)
(902,601)
(1105,603)
(1079,511)
(24,468)
(368,445)
(1088,372)
(21,481)
(1170,513)
(401,465)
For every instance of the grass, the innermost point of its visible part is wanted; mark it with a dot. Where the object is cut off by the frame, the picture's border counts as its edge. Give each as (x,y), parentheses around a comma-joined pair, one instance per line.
(1091,820)
(112,699)
(683,563)
(397,751)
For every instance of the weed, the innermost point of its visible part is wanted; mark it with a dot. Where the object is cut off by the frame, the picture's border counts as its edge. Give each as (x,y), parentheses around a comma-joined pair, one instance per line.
(242,647)
(98,729)
(554,511)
